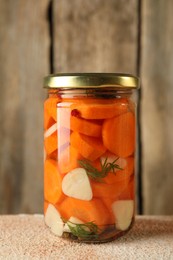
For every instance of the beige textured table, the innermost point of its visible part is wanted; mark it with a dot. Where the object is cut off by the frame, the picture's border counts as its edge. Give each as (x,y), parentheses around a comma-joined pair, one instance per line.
(26,237)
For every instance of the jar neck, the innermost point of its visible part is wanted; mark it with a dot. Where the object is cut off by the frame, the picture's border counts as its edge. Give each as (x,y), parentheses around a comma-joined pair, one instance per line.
(92,92)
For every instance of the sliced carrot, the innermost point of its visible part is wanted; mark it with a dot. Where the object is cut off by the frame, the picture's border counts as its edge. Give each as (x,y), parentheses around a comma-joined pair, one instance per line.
(127,171)
(50,111)
(114,183)
(85,127)
(68,159)
(48,121)
(70,120)
(89,147)
(56,140)
(121,175)
(118,175)
(50,143)
(119,134)
(101,109)
(51,106)
(129,192)
(108,203)
(53,155)
(52,182)
(110,191)
(86,211)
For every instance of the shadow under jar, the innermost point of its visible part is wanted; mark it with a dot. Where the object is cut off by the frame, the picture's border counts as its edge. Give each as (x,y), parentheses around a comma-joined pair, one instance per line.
(89,148)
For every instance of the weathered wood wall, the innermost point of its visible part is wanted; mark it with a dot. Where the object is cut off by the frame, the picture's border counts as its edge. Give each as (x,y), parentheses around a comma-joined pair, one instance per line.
(24,60)
(157,105)
(95,35)
(39,37)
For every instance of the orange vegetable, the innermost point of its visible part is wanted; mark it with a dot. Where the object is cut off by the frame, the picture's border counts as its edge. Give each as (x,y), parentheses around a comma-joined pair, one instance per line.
(68,159)
(85,127)
(86,211)
(110,191)
(114,184)
(53,155)
(50,143)
(70,120)
(50,111)
(100,108)
(121,175)
(48,121)
(119,134)
(128,193)
(108,203)
(89,147)
(52,182)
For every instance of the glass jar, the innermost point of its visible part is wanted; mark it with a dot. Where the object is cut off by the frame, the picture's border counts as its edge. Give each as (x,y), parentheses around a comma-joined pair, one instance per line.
(89,146)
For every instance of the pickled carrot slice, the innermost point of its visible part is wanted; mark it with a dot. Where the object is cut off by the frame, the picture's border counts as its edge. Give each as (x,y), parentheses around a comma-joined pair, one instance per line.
(53,155)
(121,175)
(116,186)
(56,140)
(110,157)
(108,204)
(110,191)
(50,143)
(52,182)
(68,159)
(50,111)
(69,119)
(85,127)
(129,192)
(89,147)
(86,211)
(101,109)
(48,120)
(118,134)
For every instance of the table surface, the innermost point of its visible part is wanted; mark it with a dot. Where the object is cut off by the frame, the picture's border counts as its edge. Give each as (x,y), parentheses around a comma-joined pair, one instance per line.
(27,237)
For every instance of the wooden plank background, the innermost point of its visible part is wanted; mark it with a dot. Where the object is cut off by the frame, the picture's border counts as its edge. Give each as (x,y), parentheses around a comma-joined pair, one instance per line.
(157,106)
(24,60)
(39,37)
(95,35)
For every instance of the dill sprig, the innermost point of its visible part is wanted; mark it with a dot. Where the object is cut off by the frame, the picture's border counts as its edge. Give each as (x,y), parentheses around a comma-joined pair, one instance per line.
(88,230)
(96,174)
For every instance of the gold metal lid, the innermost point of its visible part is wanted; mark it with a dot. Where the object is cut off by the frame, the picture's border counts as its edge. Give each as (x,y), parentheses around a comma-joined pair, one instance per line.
(91,80)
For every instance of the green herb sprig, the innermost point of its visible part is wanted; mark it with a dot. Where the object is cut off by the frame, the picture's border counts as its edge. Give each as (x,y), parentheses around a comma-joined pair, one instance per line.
(98,175)
(87,230)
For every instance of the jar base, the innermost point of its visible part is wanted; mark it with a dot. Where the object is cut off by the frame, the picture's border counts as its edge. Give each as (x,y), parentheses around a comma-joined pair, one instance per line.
(108,235)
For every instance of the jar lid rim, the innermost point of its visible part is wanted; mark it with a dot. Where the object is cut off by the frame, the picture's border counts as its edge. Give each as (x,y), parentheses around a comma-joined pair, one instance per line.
(91,80)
